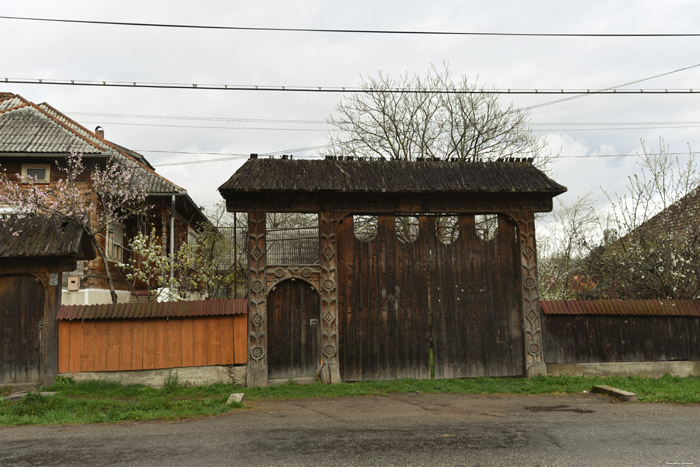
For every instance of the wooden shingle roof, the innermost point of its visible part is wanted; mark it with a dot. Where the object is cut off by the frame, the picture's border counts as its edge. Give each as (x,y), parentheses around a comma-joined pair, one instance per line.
(43,237)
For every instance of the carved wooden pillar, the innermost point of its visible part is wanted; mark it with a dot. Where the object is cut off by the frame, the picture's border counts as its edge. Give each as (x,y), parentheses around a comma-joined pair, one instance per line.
(257,301)
(328,230)
(532,320)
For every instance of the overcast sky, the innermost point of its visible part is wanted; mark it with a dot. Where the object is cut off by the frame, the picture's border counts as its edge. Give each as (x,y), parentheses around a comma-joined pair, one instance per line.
(117,53)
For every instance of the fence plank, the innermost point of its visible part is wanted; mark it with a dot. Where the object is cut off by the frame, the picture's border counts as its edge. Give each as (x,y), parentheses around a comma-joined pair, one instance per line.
(174,343)
(87,348)
(113,340)
(227,340)
(76,332)
(137,352)
(99,360)
(63,346)
(149,344)
(200,342)
(126,345)
(187,342)
(213,341)
(240,339)
(161,334)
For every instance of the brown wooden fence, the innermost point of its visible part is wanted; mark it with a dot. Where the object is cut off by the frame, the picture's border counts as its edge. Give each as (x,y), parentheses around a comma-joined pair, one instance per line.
(117,344)
(595,331)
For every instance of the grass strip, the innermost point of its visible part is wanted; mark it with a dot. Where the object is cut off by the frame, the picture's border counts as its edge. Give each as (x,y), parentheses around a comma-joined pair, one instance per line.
(108,402)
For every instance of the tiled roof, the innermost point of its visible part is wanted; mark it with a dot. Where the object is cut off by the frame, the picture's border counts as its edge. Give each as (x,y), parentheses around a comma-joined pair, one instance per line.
(622,307)
(40,129)
(182,309)
(43,237)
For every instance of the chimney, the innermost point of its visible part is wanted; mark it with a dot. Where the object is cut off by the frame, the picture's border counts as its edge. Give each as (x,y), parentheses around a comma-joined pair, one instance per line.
(100,132)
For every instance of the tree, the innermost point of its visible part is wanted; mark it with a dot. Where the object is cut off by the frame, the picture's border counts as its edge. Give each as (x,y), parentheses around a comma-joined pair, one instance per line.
(657,254)
(94,200)
(414,117)
(562,248)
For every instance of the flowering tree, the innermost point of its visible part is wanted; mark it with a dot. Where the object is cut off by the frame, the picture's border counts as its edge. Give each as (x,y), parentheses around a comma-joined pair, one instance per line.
(94,199)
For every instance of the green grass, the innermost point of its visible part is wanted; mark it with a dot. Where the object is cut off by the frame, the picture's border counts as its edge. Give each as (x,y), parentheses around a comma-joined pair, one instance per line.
(106,402)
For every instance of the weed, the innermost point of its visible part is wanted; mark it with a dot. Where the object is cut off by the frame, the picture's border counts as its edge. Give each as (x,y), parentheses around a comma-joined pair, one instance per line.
(63,382)
(171,382)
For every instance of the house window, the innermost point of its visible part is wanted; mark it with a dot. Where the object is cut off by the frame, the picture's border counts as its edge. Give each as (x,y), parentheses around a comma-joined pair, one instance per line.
(192,236)
(115,242)
(36,173)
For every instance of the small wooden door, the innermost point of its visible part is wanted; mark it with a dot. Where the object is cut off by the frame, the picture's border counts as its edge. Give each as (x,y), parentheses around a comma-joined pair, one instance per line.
(294,331)
(21,313)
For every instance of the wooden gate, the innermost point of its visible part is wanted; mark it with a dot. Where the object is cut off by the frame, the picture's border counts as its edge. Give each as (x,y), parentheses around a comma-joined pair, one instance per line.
(294,331)
(21,315)
(399,300)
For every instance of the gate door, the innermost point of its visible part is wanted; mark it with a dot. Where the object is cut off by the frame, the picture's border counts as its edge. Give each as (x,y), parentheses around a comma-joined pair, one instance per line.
(21,312)
(294,330)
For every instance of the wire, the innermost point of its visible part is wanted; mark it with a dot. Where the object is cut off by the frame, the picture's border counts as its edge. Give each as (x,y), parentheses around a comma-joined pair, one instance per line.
(228,87)
(346,31)
(185,117)
(211,127)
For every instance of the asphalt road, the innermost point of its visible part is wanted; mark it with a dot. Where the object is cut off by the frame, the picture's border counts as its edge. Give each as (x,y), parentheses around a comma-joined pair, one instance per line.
(406,429)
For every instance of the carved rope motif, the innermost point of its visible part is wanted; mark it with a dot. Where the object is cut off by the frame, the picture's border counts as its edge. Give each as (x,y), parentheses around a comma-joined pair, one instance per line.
(257,290)
(277,274)
(532,322)
(329,285)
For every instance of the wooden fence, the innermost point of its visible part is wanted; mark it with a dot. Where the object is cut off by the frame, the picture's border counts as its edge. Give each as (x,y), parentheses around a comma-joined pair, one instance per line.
(147,344)
(616,337)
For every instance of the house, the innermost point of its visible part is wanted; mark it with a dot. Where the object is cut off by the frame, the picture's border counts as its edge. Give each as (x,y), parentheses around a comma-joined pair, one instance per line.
(34,136)
(394,297)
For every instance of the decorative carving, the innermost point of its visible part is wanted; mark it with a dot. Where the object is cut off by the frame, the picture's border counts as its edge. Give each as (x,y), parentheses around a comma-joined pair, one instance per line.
(277,274)
(257,303)
(328,221)
(532,321)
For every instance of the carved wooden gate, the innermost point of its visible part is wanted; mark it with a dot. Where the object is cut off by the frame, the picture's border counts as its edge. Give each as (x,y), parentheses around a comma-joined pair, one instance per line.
(21,315)
(398,300)
(294,330)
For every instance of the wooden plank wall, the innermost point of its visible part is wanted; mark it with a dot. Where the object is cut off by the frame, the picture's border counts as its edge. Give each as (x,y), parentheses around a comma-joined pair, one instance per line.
(614,338)
(148,344)
(383,305)
(475,302)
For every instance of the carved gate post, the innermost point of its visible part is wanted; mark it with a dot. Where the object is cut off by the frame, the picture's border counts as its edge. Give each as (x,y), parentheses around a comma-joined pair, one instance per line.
(328,226)
(257,301)
(532,321)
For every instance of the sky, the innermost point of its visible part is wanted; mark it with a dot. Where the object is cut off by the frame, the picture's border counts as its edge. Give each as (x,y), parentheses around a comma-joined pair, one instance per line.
(180,126)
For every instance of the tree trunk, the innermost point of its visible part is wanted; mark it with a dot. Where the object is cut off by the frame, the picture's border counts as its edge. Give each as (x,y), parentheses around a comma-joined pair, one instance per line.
(100,251)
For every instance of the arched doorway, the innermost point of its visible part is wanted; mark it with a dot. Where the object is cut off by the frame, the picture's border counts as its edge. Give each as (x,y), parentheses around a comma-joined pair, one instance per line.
(293,330)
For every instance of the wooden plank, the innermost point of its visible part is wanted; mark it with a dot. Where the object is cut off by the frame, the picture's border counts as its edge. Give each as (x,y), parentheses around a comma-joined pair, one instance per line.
(114,329)
(87,349)
(187,342)
(63,346)
(126,345)
(137,352)
(213,347)
(76,333)
(199,327)
(227,340)
(161,343)
(174,343)
(240,340)
(99,359)
(149,344)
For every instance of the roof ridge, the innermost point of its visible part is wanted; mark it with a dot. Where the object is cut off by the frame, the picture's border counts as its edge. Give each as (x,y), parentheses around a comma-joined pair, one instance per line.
(111,145)
(63,124)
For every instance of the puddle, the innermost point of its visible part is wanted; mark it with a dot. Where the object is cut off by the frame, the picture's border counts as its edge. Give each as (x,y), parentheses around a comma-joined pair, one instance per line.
(556,408)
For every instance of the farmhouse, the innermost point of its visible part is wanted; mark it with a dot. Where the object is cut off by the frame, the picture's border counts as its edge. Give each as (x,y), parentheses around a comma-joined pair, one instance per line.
(35,137)
(416,260)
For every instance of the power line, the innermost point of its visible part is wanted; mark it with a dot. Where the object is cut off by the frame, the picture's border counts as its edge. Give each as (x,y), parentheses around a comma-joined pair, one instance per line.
(335,89)
(345,31)
(211,127)
(204,118)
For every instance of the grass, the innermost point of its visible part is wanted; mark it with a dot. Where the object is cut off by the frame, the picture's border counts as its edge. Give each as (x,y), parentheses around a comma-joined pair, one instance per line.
(106,402)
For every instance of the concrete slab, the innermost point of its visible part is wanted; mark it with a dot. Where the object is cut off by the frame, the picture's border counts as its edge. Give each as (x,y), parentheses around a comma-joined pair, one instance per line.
(621,394)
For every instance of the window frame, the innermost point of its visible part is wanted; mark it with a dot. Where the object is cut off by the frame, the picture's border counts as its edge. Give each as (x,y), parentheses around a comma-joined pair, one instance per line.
(45,180)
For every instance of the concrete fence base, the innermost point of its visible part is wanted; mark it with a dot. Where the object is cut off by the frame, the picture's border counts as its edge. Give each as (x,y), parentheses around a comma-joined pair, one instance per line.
(195,375)
(648,369)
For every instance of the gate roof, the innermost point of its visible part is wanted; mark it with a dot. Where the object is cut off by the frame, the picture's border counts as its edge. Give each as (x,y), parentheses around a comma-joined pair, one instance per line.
(387,185)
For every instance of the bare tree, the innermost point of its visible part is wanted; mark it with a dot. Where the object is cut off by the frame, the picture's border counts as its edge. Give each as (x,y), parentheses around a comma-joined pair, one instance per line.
(434,116)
